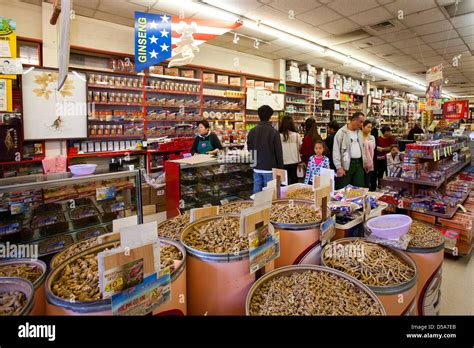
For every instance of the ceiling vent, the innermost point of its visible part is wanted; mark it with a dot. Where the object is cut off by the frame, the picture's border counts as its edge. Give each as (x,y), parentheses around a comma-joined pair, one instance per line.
(387,25)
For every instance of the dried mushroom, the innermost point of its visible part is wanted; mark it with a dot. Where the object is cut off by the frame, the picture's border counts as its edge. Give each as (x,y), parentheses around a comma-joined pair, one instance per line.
(234,207)
(12,302)
(301,193)
(312,293)
(172,228)
(370,263)
(424,236)
(294,213)
(219,236)
(26,271)
(168,254)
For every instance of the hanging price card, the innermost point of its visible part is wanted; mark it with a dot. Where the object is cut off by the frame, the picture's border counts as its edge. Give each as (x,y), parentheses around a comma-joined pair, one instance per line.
(331,94)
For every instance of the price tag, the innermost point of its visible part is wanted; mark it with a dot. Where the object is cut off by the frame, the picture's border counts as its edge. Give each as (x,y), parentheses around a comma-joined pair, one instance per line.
(328,230)
(105,192)
(143,298)
(264,247)
(252,218)
(122,277)
(331,94)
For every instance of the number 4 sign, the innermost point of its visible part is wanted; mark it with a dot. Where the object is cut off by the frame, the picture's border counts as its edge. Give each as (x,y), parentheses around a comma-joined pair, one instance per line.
(330,94)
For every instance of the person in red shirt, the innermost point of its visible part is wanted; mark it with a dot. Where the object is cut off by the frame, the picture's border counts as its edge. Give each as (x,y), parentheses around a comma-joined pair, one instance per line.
(384,143)
(310,137)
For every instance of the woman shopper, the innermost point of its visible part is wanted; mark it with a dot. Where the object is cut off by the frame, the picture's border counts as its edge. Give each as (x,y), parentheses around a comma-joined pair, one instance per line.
(369,147)
(384,143)
(205,142)
(291,144)
(311,136)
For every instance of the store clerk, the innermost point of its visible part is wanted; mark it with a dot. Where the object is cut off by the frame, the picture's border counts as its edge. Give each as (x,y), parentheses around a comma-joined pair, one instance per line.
(205,142)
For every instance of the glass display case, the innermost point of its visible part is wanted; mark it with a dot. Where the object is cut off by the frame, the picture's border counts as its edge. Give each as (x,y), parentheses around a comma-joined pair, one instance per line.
(56,210)
(195,185)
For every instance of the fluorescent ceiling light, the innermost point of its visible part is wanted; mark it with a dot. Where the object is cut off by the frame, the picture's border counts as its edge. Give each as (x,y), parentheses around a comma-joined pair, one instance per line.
(212,11)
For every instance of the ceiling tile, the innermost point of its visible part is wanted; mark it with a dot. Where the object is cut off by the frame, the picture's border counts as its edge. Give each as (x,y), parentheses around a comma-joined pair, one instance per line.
(341,26)
(381,48)
(464,20)
(453,49)
(372,16)
(368,42)
(86,3)
(446,43)
(84,11)
(432,28)
(428,16)
(303,29)
(406,43)
(268,15)
(445,35)
(469,39)
(466,31)
(114,19)
(33,2)
(385,2)
(350,7)
(407,62)
(287,52)
(120,8)
(318,16)
(240,7)
(396,36)
(301,57)
(410,6)
(272,47)
(297,6)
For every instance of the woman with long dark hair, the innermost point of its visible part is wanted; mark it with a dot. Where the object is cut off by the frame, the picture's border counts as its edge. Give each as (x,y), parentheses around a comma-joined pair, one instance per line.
(310,137)
(291,143)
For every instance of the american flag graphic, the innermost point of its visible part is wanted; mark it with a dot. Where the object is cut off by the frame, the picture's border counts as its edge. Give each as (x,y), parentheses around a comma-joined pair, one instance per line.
(157,35)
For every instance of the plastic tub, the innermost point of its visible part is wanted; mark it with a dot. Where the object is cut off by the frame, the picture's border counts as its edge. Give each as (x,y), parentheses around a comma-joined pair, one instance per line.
(38,305)
(390,226)
(295,239)
(83,169)
(19,284)
(399,299)
(59,306)
(303,268)
(217,283)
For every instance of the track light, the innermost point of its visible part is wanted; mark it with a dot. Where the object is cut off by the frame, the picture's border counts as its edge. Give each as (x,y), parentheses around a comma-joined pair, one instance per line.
(256,44)
(236,38)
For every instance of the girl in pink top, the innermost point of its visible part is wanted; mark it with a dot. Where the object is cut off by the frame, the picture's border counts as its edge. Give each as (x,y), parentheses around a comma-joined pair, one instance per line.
(369,147)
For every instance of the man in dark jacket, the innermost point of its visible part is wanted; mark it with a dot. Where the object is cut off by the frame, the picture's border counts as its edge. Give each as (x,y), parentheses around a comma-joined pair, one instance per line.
(264,142)
(415,130)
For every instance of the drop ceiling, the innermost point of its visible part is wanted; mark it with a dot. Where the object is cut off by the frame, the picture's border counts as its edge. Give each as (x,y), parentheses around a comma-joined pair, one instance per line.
(428,33)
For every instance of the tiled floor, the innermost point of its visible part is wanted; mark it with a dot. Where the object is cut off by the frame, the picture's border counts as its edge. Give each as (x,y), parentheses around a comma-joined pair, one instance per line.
(457,286)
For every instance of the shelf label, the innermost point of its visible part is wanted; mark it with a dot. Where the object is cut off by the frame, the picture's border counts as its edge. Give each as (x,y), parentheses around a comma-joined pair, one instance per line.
(330,94)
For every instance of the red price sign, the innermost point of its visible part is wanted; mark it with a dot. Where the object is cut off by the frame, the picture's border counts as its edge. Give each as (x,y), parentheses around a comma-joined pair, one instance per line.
(330,94)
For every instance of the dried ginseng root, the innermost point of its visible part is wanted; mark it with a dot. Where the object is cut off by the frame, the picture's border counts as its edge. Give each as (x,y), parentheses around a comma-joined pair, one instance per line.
(12,302)
(373,265)
(26,271)
(172,228)
(294,213)
(424,236)
(219,236)
(301,193)
(234,207)
(312,293)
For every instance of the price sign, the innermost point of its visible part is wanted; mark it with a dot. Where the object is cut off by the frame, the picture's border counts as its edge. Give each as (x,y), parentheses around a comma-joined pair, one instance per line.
(283,174)
(199,213)
(328,230)
(331,94)
(264,247)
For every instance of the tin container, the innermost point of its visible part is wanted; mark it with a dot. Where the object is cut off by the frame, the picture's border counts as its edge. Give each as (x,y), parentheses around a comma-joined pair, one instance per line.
(296,239)
(59,306)
(19,284)
(303,268)
(217,283)
(38,300)
(398,299)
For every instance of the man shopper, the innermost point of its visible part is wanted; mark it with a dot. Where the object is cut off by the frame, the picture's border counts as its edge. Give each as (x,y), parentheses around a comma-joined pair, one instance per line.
(348,152)
(264,141)
(415,130)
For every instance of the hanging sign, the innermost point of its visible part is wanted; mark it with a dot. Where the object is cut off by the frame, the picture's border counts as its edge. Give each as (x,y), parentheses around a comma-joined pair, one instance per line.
(331,94)
(7,41)
(159,37)
(64,42)
(434,78)
(456,109)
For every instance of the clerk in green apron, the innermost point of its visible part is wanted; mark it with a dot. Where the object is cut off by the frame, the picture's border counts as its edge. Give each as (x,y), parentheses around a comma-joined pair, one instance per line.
(205,142)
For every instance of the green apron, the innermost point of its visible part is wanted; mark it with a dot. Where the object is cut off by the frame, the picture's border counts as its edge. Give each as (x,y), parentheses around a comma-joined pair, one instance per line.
(204,146)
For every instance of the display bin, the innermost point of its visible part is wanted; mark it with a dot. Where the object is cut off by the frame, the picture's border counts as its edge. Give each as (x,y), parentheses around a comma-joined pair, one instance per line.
(8,284)
(46,207)
(56,305)
(397,299)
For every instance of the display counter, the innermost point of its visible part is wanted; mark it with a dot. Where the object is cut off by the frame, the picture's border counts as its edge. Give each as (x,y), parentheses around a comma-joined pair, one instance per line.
(56,210)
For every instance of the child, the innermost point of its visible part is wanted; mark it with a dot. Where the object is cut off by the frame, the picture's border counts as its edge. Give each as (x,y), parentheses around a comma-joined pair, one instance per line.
(316,162)
(393,160)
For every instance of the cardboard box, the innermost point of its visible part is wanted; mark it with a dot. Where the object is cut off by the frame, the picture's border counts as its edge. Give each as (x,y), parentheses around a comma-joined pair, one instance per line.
(172,71)
(250,83)
(234,81)
(208,77)
(270,86)
(157,69)
(149,209)
(223,79)
(146,194)
(187,73)
(423,217)
(259,84)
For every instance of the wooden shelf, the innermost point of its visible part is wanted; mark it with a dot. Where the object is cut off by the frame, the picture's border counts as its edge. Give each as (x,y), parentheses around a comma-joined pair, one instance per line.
(161,91)
(222,96)
(115,87)
(112,137)
(122,104)
(220,84)
(108,154)
(174,106)
(168,77)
